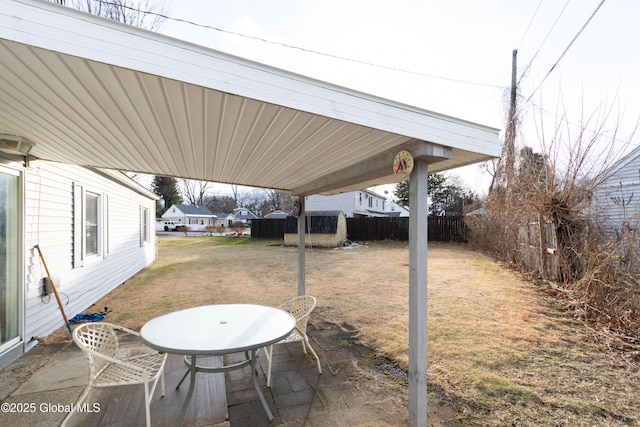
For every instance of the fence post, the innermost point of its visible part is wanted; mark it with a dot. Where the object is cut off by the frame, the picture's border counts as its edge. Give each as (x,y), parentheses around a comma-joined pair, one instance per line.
(542,232)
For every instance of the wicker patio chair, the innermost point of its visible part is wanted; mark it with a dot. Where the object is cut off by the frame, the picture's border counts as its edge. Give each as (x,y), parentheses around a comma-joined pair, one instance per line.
(300,308)
(109,367)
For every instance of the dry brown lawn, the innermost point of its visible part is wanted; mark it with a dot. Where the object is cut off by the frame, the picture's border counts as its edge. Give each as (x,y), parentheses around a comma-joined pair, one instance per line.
(500,350)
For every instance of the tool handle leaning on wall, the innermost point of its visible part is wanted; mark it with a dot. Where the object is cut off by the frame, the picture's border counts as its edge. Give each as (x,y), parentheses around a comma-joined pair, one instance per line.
(55,292)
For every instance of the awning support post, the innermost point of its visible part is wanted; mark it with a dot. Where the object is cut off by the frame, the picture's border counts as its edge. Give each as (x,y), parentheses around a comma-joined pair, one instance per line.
(301,247)
(418,237)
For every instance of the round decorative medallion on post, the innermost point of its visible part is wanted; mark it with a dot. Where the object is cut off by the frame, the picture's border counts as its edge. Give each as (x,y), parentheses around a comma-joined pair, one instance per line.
(403,164)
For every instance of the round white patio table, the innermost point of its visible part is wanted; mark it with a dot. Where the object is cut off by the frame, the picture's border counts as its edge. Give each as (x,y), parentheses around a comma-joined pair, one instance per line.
(218,330)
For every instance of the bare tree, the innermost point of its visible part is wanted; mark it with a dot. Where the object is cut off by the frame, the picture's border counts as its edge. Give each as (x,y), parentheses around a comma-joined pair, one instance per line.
(194,191)
(274,200)
(235,192)
(147,14)
(217,203)
(251,199)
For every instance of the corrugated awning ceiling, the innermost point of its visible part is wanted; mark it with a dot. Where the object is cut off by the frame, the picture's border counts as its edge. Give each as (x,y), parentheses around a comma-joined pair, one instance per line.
(93,92)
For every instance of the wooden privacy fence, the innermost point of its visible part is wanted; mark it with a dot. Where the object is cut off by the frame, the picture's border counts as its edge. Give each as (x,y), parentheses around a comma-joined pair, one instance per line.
(538,251)
(441,229)
(382,228)
(448,229)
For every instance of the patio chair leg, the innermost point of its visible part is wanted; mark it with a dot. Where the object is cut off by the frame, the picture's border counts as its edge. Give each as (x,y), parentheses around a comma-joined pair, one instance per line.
(147,403)
(316,356)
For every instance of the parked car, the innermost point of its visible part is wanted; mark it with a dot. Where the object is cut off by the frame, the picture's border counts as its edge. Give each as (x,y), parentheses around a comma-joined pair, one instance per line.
(167,225)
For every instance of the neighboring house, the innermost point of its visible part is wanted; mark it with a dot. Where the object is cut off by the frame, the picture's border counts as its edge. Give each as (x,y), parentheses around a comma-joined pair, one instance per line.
(353,203)
(616,201)
(245,215)
(196,218)
(396,210)
(94,228)
(225,219)
(276,215)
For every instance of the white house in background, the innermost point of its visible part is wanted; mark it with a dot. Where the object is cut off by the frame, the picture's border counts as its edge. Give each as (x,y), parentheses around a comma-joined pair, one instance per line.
(353,203)
(225,219)
(396,210)
(245,215)
(278,214)
(196,218)
(94,228)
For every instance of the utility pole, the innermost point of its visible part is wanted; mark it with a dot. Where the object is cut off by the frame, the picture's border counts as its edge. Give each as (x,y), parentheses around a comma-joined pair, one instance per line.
(509,149)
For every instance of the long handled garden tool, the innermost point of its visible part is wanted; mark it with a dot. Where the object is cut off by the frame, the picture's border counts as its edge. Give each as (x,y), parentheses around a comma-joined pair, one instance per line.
(55,292)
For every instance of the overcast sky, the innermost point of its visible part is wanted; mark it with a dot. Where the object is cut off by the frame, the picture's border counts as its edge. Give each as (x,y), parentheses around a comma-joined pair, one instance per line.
(451,57)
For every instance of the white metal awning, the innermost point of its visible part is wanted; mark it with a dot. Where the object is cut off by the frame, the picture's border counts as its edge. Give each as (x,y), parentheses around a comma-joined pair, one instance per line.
(94,92)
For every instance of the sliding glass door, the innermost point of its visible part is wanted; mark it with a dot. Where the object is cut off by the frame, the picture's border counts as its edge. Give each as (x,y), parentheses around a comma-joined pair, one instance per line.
(9,258)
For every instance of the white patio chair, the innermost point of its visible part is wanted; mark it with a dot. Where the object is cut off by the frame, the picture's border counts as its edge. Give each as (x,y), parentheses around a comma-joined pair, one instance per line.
(109,367)
(300,308)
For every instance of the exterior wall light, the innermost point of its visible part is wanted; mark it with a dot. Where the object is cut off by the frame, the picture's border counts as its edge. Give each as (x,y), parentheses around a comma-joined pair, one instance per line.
(15,145)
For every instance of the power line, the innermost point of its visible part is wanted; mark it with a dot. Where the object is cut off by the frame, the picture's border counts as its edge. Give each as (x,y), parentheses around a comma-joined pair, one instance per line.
(343,58)
(566,49)
(535,55)
(302,49)
(530,22)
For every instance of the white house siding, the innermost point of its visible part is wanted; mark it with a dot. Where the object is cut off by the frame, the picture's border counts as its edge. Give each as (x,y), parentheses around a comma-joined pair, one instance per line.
(51,189)
(338,202)
(352,203)
(618,197)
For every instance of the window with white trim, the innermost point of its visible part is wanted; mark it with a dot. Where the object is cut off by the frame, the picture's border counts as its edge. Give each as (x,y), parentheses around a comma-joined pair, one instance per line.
(145,225)
(91,224)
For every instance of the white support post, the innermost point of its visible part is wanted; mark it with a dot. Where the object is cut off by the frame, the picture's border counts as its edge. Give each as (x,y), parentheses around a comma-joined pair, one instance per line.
(418,234)
(301,247)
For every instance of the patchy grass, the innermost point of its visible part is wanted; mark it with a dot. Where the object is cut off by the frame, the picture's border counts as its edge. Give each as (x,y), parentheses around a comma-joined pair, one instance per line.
(500,351)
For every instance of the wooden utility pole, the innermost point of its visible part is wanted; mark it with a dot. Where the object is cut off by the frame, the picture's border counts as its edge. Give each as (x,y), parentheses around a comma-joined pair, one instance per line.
(509,149)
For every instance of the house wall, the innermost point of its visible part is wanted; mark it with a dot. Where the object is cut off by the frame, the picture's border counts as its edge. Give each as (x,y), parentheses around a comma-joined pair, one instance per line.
(370,204)
(344,202)
(618,197)
(395,207)
(352,203)
(196,223)
(51,202)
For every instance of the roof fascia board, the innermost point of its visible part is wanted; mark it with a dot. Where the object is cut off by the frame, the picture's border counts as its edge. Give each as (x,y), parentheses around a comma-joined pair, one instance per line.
(622,163)
(68,31)
(373,168)
(123,179)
